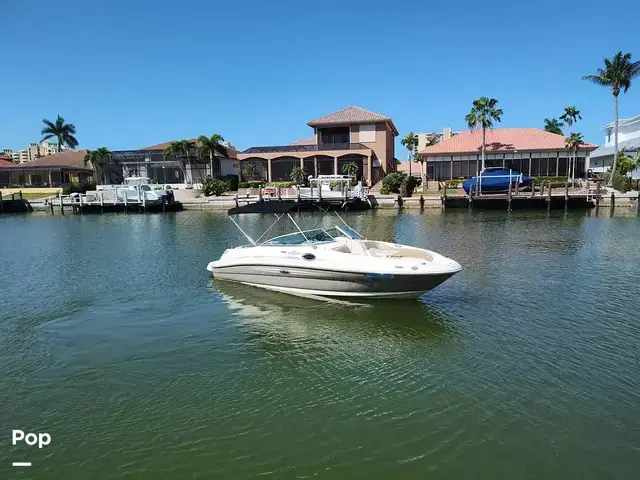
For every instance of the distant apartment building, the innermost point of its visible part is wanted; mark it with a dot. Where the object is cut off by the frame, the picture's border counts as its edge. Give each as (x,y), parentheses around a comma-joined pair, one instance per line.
(33,151)
(445,134)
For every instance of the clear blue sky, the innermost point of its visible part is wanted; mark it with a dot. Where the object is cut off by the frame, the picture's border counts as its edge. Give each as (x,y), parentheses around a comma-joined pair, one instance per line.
(132,73)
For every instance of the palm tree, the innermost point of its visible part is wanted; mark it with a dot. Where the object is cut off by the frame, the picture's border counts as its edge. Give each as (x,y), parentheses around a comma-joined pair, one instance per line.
(185,147)
(482,115)
(573,142)
(207,146)
(432,140)
(99,158)
(64,132)
(553,125)
(570,116)
(617,74)
(410,141)
(174,149)
(298,175)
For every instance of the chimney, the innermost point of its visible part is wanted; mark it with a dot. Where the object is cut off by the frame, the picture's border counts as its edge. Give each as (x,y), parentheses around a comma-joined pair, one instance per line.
(446,133)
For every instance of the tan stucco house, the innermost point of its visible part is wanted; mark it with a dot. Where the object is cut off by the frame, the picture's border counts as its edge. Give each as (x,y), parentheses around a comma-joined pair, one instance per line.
(349,135)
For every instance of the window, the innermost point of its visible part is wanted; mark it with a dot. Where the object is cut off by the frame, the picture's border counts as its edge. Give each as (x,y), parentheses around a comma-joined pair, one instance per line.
(367,133)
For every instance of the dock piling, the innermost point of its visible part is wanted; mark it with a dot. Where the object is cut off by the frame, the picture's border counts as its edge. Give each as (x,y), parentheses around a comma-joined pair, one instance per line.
(533,187)
(566,195)
(80,204)
(1,204)
(471,188)
(421,202)
(509,194)
(61,205)
(598,194)
(279,190)
(548,196)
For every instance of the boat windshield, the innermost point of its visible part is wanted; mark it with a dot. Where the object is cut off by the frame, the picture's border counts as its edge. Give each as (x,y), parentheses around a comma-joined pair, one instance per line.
(317,235)
(348,232)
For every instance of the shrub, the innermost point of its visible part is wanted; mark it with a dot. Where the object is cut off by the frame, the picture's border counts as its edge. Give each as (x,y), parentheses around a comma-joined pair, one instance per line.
(620,182)
(232,181)
(452,184)
(556,182)
(391,183)
(255,184)
(280,184)
(81,187)
(411,183)
(214,186)
(298,176)
(168,187)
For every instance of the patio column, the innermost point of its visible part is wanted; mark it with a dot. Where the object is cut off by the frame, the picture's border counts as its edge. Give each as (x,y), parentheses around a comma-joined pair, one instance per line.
(50,182)
(335,165)
(302,163)
(315,167)
(268,170)
(369,169)
(587,162)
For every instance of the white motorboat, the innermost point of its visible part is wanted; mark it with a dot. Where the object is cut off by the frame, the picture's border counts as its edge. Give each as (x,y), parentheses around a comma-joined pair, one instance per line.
(137,189)
(334,262)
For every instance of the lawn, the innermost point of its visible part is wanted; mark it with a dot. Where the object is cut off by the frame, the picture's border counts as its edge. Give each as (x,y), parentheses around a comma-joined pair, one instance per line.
(26,196)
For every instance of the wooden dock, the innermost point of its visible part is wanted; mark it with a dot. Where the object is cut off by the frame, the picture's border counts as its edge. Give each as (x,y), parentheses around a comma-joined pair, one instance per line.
(90,204)
(546,198)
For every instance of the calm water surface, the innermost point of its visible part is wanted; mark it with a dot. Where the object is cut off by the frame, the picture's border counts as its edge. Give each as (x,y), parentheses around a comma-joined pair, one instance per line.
(525,365)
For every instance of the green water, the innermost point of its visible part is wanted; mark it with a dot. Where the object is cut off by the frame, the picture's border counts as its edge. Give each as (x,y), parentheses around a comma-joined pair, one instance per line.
(525,365)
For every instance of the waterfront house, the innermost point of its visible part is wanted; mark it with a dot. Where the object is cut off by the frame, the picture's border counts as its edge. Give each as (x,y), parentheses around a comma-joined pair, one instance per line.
(530,151)
(349,135)
(181,171)
(628,141)
(49,171)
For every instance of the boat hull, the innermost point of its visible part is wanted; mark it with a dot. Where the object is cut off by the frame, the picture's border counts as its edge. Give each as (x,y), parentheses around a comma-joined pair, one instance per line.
(307,281)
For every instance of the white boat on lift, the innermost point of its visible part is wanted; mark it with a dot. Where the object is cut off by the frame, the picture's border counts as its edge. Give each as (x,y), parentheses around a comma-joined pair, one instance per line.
(135,189)
(334,262)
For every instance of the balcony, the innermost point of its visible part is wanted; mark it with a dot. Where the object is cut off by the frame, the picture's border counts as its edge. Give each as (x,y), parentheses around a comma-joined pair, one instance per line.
(307,148)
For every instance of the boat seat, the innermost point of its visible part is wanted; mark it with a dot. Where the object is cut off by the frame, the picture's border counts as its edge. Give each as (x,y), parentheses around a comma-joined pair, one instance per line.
(342,249)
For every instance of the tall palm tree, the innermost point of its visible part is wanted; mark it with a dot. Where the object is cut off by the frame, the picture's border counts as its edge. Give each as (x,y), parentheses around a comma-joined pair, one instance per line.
(99,158)
(482,115)
(432,140)
(570,116)
(573,142)
(410,141)
(175,149)
(617,75)
(207,146)
(553,125)
(64,132)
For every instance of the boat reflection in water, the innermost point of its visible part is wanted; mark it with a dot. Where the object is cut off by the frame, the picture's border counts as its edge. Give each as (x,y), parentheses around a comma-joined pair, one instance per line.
(274,315)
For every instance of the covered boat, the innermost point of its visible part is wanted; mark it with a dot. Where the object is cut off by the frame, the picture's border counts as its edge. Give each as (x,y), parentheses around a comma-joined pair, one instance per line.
(494,180)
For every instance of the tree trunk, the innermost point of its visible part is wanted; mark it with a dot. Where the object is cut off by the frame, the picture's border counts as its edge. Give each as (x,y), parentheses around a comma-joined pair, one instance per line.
(484,141)
(423,175)
(211,162)
(59,144)
(410,161)
(615,140)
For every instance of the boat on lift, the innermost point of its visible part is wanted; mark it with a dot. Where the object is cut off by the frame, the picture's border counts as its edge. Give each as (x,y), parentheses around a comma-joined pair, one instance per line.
(496,180)
(330,262)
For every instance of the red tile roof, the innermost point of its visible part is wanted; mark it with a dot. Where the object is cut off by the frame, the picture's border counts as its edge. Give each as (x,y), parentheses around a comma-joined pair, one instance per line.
(501,140)
(5,162)
(73,159)
(351,115)
(232,153)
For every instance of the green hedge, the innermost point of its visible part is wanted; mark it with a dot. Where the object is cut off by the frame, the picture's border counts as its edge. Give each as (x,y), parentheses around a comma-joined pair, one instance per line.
(254,184)
(556,182)
(452,184)
(81,187)
(281,184)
